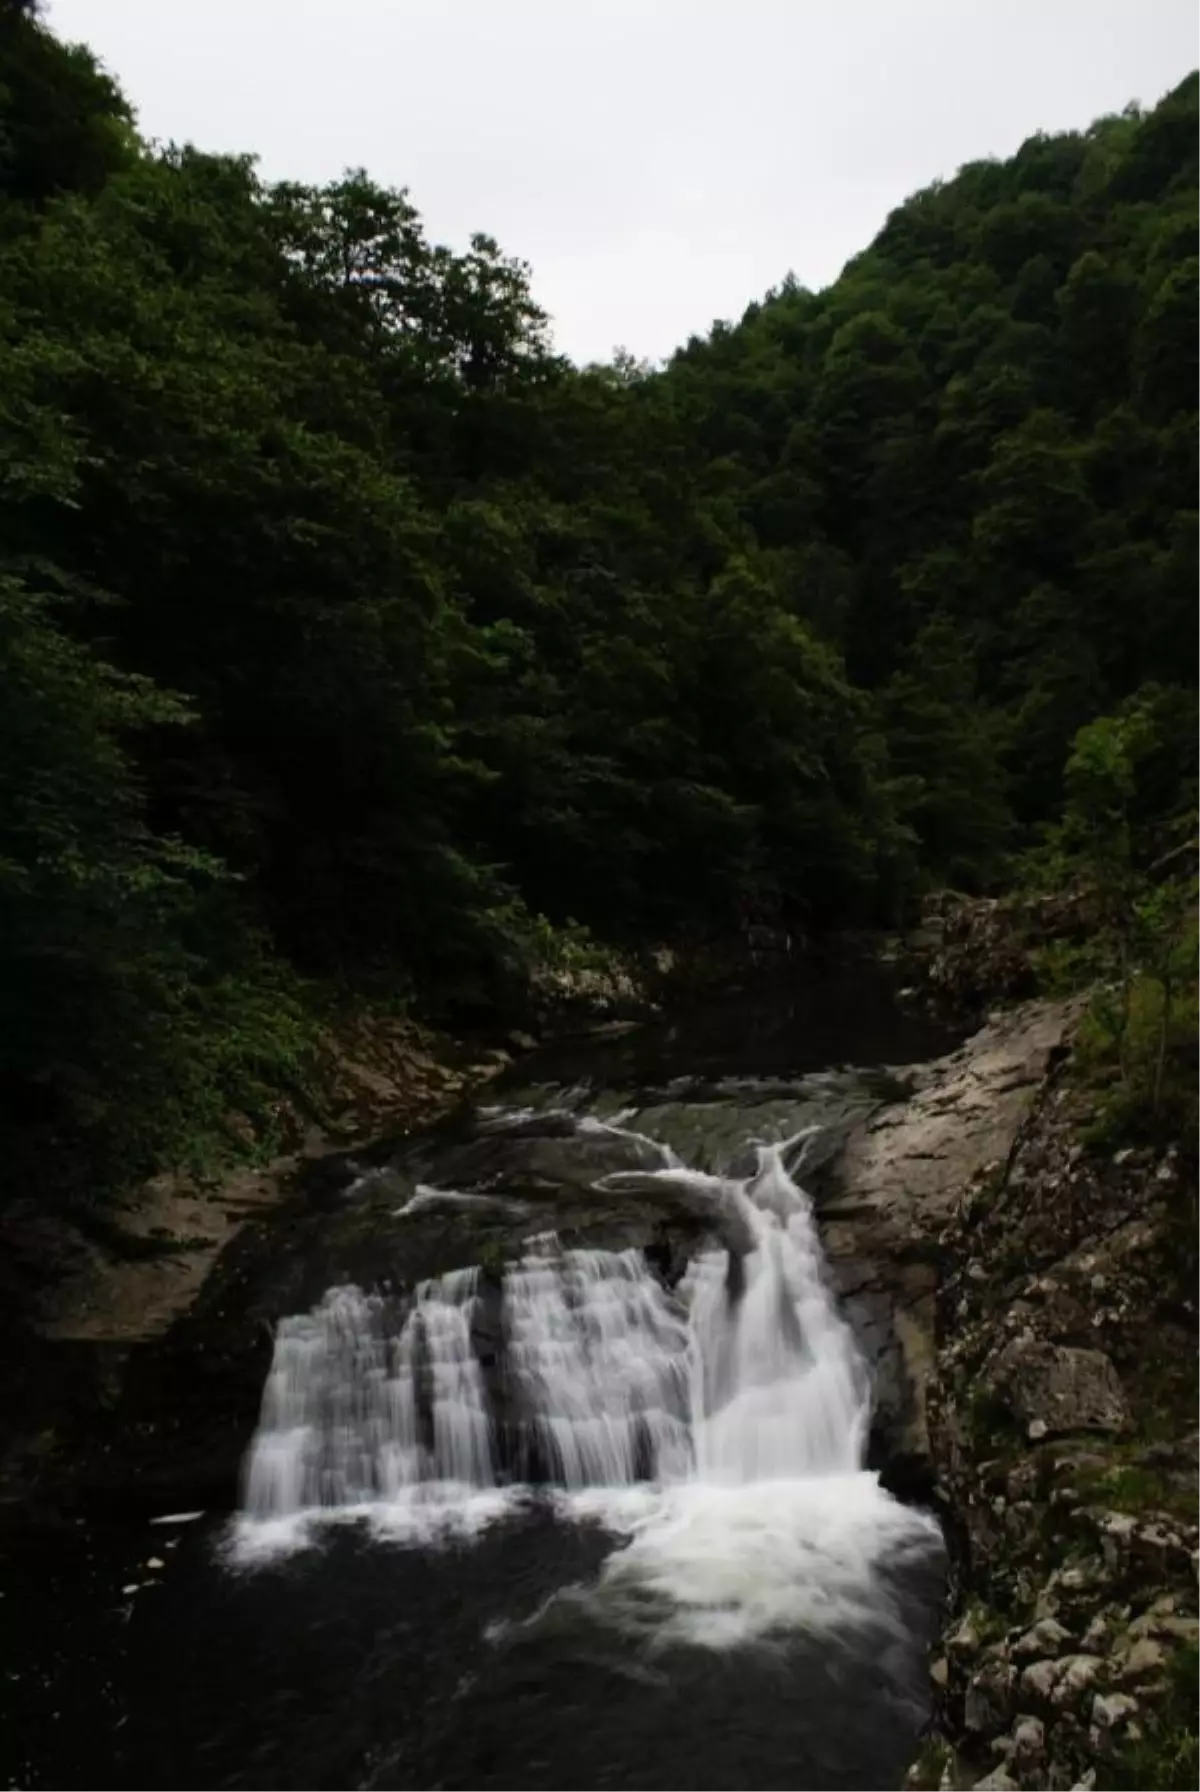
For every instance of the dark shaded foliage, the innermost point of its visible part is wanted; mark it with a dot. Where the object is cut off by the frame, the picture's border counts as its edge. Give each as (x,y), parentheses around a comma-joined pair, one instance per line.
(349,633)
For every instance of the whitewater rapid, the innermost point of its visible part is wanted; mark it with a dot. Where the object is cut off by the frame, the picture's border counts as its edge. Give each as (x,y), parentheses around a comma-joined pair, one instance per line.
(719,1430)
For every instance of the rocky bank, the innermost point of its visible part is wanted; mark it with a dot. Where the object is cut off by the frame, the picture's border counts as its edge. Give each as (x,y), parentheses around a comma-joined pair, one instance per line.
(1062,1420)
(1061,1406)
(887,1197)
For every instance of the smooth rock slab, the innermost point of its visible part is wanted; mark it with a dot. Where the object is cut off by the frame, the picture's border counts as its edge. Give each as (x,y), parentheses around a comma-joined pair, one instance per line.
(900,1177)
(905,1173)
(1055,1388)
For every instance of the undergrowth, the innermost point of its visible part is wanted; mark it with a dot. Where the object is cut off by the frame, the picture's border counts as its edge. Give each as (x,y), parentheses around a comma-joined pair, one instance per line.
(1166,1757)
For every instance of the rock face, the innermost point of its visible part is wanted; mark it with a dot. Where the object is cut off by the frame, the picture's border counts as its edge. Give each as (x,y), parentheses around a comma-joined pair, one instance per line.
(1061,1411)
(887,1199)
(904,1173)
(970,952)
(1054,1389)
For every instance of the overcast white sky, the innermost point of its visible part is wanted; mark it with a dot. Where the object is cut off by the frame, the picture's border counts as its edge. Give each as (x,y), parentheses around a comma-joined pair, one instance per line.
(658,162)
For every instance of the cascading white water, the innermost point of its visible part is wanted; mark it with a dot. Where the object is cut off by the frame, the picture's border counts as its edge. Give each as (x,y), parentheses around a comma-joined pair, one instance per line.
(617,1382)
(722,1427)
(780,1389)
(340,1425)
(600,1359)
(776,1525)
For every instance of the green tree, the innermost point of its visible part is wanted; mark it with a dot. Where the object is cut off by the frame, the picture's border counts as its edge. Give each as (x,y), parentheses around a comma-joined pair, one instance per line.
(64,125)
(943,744)
(135,1012)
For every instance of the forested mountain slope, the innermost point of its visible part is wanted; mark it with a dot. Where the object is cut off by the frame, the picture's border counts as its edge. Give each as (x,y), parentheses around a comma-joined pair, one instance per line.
(348,634)
(972,464)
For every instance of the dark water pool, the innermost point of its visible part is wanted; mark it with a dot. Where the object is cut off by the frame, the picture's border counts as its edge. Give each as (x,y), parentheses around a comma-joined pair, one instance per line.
(367,1665)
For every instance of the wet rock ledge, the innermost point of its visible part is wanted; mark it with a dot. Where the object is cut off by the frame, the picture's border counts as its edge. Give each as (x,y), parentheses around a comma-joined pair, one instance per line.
(887,1199)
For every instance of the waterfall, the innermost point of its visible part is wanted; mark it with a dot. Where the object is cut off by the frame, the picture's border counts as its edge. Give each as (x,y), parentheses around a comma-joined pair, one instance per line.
(615,1381)
(344,1425)
(722,1426)
(786,1392)
(600,1361)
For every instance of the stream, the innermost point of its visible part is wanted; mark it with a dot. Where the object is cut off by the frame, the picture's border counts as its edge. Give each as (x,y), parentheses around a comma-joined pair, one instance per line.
(559,1474)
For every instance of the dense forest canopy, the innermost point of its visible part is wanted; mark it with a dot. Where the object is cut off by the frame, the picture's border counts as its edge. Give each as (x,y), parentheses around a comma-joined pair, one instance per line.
(350,634)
